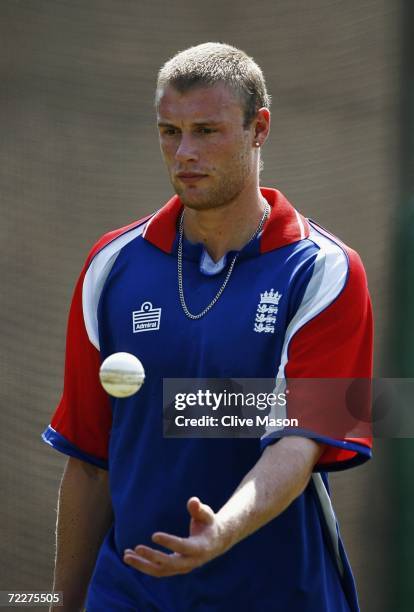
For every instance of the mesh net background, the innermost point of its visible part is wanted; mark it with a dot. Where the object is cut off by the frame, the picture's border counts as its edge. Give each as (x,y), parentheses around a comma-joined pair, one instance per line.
(79,156)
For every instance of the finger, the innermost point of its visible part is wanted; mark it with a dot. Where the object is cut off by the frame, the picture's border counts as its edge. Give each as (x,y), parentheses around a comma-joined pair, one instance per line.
(150,554)
(142,565)
(193,504)
(174,543)
(169,565)
(199,511)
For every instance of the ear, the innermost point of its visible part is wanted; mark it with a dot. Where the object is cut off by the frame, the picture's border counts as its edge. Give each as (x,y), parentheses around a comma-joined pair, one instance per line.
(261,126)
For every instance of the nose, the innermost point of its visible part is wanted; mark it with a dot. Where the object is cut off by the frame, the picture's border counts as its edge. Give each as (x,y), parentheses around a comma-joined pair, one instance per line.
(186,150)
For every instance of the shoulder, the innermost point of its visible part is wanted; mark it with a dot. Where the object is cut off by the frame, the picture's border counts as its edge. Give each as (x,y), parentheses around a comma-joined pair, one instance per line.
(331,332)
(339,267)
(116,239)
(97,268)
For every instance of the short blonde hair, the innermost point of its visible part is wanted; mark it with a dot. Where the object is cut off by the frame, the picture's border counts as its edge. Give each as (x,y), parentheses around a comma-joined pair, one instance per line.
(210,63)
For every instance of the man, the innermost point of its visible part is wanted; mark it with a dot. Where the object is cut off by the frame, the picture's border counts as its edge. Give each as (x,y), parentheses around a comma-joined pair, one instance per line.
(175,525)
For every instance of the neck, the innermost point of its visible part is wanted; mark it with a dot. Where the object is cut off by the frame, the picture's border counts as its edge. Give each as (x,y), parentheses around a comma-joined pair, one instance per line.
(225,228)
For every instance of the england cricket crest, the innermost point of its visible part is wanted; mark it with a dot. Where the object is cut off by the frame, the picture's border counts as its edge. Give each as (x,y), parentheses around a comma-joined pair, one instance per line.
(147,318)
(266,312)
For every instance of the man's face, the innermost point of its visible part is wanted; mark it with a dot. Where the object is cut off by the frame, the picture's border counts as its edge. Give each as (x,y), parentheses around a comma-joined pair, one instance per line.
(207,151)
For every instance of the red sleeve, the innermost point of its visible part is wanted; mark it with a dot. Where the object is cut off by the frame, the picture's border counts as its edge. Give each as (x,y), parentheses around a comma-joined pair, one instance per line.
(338,344)
(82,421)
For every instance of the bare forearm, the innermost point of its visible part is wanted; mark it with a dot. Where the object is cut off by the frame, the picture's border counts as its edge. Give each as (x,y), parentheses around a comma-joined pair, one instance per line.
(84,516)
(280,476)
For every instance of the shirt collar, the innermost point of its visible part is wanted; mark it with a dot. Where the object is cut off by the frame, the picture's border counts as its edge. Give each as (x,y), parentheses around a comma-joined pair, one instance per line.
(284,226)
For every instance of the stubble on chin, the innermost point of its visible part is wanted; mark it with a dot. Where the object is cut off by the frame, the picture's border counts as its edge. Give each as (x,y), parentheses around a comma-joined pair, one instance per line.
(216,197)
(194,198)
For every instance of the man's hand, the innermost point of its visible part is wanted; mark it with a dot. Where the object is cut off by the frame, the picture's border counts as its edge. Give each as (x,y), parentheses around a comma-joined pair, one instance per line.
(205,542)
(280,475)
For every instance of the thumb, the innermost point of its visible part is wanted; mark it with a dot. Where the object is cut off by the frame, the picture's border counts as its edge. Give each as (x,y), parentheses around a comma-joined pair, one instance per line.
(200,512)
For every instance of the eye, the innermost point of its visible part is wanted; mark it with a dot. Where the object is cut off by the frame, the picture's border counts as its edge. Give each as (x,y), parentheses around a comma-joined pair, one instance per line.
(205,130)
(170,131)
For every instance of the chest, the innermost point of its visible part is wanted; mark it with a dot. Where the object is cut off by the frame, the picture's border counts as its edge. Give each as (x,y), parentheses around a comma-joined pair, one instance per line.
(242,335)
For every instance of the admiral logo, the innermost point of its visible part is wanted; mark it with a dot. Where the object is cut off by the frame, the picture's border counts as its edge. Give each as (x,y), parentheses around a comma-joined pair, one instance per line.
(146,318)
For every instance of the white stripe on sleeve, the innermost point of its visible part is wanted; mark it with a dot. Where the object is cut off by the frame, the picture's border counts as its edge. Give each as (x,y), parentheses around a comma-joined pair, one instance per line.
(95,278)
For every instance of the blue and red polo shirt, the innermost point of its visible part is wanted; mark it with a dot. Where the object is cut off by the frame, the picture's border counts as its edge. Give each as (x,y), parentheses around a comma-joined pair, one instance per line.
(322,329)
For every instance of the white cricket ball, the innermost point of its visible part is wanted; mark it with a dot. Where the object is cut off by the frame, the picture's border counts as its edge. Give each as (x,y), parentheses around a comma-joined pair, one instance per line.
(121,374)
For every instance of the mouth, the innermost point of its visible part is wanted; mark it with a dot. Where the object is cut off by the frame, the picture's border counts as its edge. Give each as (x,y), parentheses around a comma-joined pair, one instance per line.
(190,177)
